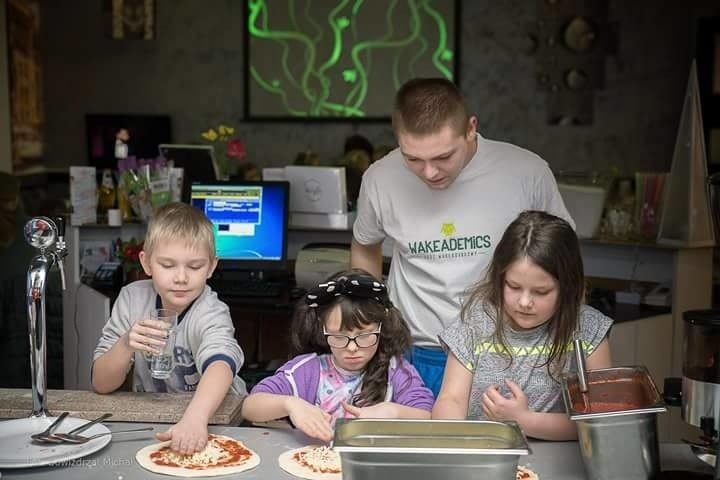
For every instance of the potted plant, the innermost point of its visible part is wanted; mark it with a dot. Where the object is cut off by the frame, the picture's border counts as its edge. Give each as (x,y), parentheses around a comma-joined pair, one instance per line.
(129,255)
(229,151)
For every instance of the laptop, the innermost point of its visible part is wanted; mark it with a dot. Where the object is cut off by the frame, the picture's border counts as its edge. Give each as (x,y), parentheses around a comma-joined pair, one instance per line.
(197,161)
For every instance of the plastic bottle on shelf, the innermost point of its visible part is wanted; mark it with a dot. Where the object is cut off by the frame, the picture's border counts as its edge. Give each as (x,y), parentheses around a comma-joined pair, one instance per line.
(106,193)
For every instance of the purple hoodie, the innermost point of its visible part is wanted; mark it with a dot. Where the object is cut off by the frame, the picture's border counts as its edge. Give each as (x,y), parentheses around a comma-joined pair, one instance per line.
(300,377)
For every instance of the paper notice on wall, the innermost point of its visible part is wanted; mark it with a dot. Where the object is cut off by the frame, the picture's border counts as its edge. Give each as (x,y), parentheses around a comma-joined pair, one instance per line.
(83,195)
(93,253)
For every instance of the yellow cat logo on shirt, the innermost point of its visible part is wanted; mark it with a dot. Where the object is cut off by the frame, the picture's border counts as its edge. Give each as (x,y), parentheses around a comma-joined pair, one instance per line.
(448,229)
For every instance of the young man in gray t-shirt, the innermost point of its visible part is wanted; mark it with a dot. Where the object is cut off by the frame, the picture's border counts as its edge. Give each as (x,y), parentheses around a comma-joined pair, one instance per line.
(444,197)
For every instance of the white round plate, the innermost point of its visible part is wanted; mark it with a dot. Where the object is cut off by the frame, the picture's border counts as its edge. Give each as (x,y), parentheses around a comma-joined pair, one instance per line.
(18,451)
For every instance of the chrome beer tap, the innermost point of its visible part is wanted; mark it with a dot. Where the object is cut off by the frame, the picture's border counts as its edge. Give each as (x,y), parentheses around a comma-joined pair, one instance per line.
(49,237)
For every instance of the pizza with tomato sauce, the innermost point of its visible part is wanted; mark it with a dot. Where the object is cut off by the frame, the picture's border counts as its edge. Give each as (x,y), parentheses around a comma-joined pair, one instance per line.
(524,473)
(312,462)
(222,456)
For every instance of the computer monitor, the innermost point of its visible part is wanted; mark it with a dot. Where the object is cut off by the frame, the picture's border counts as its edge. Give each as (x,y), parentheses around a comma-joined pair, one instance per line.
(250,221)
(317,189)
(197,162)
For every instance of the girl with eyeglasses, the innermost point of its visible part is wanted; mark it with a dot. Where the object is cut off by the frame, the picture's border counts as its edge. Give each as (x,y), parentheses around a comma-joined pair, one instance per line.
(350,342)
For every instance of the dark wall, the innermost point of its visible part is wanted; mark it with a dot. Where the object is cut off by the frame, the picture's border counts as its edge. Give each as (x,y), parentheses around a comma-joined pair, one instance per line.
(193,71)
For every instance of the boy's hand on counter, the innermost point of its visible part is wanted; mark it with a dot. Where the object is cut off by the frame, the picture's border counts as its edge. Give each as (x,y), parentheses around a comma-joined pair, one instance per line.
(147,336)
(187,436)
(380,410)
(498,407)
(311,419)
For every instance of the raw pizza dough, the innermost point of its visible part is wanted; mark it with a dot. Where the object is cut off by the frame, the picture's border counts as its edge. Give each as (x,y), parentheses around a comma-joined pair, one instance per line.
(214,451)
(289,463)
(524,473)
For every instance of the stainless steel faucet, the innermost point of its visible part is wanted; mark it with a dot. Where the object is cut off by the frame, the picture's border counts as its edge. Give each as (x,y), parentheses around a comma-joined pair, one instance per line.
(49,237)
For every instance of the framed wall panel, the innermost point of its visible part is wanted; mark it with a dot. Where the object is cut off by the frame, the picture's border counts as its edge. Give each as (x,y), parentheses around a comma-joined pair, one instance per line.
(25,74)
(343,60)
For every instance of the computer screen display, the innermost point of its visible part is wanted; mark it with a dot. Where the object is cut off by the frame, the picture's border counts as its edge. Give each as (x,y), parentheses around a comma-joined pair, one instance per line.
(250,221)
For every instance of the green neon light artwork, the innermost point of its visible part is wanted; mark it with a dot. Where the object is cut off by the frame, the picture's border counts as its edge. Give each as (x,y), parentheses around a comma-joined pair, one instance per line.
(342,59)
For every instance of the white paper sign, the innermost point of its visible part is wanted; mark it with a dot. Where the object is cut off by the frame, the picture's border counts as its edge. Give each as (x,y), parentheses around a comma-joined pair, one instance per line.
(83,195)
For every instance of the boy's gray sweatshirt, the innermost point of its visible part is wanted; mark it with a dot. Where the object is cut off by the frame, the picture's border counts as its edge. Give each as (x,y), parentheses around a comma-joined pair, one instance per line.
(205,334)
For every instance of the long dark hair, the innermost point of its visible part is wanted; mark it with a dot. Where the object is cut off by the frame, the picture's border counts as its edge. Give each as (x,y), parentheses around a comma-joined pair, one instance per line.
(551,244)
(357,311)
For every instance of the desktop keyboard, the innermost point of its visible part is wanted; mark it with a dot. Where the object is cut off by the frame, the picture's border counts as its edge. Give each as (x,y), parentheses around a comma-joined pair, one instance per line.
(249,288)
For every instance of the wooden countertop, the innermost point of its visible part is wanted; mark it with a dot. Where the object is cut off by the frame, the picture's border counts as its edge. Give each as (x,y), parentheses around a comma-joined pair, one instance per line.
(125,406)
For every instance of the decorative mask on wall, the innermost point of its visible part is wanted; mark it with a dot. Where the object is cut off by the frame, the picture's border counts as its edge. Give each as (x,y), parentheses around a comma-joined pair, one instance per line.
(570,40)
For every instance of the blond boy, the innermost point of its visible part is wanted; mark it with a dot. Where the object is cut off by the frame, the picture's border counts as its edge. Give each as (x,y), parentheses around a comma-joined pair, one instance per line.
(179,255)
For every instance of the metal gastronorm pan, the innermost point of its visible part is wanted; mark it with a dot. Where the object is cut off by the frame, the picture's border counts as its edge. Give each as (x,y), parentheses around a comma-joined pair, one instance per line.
(425,449)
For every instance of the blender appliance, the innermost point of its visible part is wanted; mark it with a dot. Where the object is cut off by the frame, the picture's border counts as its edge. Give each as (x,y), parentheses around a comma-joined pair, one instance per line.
(697,393)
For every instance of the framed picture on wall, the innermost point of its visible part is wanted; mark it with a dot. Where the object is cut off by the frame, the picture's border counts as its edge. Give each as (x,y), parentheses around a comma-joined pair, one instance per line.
(336,60)
(27,116)
(130,19)
(708,62)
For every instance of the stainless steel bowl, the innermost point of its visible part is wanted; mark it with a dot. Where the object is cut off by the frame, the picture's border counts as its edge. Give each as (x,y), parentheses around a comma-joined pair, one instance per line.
(617,422)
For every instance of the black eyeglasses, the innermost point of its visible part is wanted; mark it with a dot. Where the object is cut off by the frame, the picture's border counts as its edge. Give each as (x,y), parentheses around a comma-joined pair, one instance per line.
(364,340)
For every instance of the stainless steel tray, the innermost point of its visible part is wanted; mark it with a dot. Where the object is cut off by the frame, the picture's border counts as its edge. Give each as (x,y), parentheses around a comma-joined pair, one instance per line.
(428,449)
(430,436)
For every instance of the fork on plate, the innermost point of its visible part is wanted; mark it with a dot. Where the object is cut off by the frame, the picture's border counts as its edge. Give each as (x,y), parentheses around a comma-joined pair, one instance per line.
(78,439)
(44,435)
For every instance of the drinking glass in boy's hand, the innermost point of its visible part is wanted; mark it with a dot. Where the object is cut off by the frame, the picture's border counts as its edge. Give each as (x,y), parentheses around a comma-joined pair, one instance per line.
(152,336)
(161,363)
(161,360)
